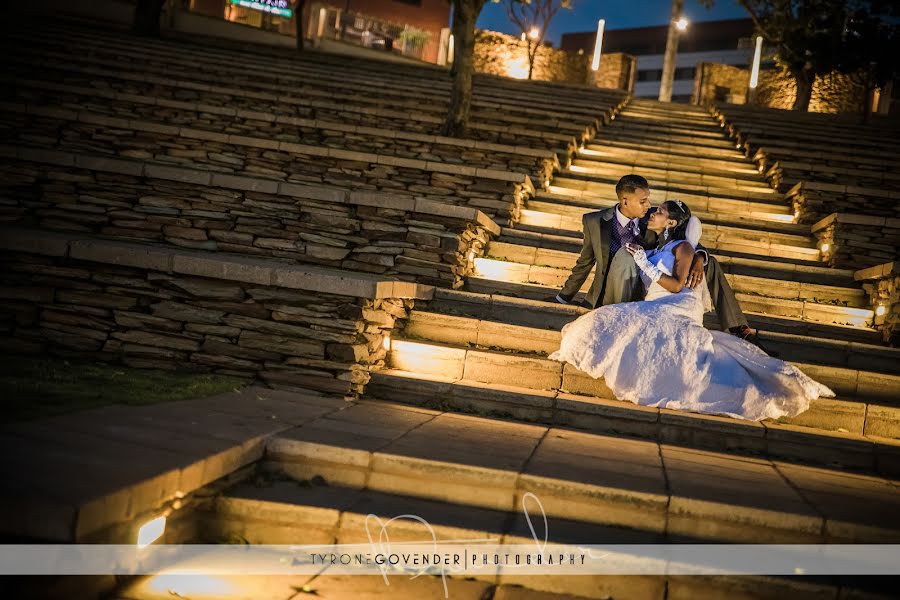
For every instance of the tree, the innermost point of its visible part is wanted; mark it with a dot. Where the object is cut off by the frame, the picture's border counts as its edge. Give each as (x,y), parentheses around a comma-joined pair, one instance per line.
(871,56)
(533,17)
(465,13)
(146,17)
(815,37)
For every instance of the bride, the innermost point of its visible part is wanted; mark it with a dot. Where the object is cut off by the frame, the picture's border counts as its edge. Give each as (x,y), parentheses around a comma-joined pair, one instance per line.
(657,352)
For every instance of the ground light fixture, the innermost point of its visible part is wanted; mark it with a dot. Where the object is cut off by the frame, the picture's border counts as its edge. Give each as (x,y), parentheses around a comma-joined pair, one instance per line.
(151,531)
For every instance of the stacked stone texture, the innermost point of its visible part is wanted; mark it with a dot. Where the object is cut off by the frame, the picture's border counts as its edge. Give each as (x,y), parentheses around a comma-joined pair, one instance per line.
(709,76)
(151,319)
(495,51)
(616,71)
(429,248)
(832,93)
(856,241)
(885,292)
(497,193)
(491,123)
(268,127)
(813,202)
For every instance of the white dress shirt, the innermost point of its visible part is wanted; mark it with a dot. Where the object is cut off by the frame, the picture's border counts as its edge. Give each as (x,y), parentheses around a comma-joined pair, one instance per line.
(624,221)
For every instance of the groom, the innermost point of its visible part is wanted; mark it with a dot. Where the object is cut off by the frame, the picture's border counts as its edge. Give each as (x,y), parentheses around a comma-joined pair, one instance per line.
(617,278)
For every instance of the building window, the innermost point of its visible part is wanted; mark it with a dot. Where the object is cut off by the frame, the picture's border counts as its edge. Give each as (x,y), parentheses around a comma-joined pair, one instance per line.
(650,75)
(684,73)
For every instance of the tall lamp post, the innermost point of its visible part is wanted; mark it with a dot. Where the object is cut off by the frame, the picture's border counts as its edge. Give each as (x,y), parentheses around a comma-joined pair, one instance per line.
(676,24)
(754,70)
(598,43)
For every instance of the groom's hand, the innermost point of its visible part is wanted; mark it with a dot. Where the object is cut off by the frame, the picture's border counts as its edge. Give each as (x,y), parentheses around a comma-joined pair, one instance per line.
(695,275)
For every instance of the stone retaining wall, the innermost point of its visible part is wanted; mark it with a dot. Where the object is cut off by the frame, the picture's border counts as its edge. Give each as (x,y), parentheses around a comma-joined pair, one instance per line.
(730,81)
(617,71)
(882,284)
(412,239)
(539,164)
(497,193)
(855,241)
(832,93)
(248,104)
(505,55)
(212,83)
(153,307)
(813,201)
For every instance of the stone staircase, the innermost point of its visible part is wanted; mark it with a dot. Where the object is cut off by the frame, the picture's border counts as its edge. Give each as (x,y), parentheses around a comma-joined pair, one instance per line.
(633,474)
(605,471)
(484,348)
(469,415)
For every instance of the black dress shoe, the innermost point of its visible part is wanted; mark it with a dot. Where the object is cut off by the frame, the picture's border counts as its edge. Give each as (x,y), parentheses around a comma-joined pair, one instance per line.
(751,336)
(554,300)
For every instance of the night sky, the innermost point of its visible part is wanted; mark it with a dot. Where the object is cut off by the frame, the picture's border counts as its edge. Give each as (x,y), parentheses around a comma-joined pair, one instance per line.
(619,14)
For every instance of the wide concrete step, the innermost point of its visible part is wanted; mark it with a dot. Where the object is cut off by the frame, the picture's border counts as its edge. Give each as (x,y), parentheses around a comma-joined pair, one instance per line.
(544,338)
(594,183)
(800,310)
(739,213)
(701,119)
(731,154)
(659,140)
(580,186)
(646,156)
(552,269)
(607,480)
(434,345)
(512,250)
(285,511)
(622,129)
(629,121)
(541,314)
(714,237)
(571,241)
(823,438)
(552,229)
(670,175)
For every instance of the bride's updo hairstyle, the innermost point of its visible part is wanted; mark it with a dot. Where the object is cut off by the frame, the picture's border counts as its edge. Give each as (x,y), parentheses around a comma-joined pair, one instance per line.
(681,214)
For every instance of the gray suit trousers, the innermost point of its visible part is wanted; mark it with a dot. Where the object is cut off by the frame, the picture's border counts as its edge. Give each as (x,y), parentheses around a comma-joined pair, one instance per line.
(623,284)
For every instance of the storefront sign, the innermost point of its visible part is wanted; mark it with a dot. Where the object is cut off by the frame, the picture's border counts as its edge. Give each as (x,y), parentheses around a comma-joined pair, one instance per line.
(282,8)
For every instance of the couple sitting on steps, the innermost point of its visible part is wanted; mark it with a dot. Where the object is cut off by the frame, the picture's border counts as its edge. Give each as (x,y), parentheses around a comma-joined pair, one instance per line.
(657,352)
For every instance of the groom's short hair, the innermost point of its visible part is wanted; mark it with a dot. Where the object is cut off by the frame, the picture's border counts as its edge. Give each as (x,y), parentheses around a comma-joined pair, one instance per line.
(630,183)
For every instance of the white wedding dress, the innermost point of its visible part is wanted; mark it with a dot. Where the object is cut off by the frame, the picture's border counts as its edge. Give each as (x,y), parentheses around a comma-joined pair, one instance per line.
(657,353)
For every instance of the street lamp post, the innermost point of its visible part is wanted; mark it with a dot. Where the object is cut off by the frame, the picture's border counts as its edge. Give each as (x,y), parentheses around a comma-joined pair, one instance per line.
(754,70)
(598,42)
(676,23)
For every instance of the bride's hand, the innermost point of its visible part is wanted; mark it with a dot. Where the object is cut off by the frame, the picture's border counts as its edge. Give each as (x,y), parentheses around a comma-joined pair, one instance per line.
(635,250)
(695,275)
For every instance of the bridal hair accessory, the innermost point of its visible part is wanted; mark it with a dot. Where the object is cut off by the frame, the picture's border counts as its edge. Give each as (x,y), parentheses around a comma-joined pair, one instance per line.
(678,202)
(694,231)
(651,270)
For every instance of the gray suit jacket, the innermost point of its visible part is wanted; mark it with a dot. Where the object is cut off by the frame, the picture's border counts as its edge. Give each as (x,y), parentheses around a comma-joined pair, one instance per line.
(597,228)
